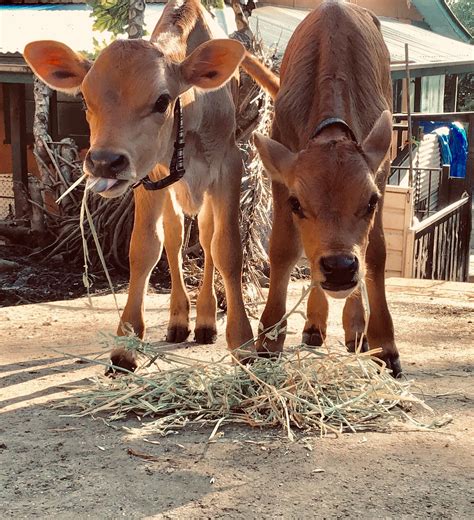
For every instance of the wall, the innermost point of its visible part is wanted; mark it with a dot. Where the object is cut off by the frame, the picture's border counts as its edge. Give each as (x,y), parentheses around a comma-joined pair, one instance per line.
(397,217)
(5,149)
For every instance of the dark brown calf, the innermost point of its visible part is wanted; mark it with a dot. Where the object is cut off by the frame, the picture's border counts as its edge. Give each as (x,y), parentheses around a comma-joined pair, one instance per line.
(328,162)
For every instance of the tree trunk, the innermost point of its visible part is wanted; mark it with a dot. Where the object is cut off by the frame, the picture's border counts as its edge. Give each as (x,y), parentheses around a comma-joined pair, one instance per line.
(136,19)
(42,94)
(38,224)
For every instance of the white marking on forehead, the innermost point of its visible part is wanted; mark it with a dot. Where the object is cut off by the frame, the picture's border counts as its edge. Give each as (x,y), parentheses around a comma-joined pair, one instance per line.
(168,42)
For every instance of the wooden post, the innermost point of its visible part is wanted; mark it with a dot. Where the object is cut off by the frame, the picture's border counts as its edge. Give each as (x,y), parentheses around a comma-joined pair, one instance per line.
(410,137)
(417,96)
(18,144)
(456,88)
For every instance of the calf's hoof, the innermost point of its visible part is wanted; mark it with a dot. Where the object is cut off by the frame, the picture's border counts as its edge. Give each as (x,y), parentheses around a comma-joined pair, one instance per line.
(205,335)
(252,357)
(177,334)
(121,358)
(392,361)
(352,346)
(312,337)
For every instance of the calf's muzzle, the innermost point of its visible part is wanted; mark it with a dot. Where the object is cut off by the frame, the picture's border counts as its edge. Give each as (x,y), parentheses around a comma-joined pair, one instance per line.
(340,272)
(106,163)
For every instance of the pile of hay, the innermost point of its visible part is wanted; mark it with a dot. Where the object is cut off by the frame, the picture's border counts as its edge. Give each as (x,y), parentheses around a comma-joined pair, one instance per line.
(304,389)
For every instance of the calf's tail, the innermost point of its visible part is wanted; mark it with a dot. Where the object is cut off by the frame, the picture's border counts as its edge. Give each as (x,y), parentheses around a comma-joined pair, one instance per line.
(261,74)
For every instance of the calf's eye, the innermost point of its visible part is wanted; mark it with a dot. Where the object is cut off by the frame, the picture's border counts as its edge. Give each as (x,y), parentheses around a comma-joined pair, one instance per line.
(372,204)
(296,206)
(162,103)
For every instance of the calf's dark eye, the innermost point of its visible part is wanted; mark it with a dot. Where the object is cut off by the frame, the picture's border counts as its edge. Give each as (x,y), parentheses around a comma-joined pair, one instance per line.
(372,204)
(295,206)
(162,103)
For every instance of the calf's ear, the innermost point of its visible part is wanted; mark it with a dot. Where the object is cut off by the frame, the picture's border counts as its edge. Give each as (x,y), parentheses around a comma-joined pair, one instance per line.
(276,158)
(377,143)
(57,65)
(212,64)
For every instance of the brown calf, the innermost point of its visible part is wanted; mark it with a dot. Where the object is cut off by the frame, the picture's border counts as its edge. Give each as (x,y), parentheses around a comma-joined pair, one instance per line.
(132,92)
(328,163)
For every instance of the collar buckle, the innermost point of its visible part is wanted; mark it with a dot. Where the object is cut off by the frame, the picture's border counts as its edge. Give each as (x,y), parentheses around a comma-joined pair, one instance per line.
(177,170)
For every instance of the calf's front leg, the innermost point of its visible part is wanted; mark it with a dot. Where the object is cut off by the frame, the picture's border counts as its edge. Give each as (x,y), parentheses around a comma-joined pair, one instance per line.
(285,250)
(146,246)
(380,330)
(314,332)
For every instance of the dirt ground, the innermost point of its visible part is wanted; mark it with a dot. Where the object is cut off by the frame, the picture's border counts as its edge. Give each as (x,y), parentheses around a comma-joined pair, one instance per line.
(62,467)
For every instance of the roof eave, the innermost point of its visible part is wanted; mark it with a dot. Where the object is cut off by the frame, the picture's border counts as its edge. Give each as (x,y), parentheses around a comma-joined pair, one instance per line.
(432,69)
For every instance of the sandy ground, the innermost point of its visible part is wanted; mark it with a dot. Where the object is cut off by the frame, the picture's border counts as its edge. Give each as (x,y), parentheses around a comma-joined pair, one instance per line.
(60,467)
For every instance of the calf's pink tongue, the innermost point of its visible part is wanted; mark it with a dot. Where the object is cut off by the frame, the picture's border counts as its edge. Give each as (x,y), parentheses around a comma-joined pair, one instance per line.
(100,184)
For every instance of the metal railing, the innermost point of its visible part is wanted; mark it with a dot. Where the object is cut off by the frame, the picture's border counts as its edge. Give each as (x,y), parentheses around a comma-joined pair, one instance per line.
(426,188)
(441,250)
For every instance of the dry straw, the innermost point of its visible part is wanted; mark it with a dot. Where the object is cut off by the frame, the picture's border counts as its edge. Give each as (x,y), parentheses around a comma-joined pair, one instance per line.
(322,391)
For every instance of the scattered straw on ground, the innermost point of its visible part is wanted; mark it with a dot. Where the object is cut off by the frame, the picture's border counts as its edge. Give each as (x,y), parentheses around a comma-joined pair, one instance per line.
(304,389)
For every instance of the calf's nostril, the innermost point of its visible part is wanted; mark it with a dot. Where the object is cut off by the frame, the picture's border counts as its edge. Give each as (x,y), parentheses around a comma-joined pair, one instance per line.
(326,265)
(336,265)
(119,163)
(104,163)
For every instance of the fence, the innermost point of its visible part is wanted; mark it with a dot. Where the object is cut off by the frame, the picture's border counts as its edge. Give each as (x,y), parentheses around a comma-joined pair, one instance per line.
(427,185)
(7,200)
(441,250)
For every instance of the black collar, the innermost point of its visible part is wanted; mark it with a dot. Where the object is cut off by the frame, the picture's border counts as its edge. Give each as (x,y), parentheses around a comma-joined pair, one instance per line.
(176,166)
(333,121)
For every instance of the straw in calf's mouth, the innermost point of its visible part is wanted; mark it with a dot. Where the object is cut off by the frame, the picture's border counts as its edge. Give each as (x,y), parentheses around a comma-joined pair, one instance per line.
(100,184)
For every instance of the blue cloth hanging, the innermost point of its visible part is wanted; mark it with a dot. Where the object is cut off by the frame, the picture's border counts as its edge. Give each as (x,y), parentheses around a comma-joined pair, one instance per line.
(453,144)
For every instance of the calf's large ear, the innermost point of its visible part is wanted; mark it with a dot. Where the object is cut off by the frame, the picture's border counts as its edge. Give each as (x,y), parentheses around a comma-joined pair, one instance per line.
(212,64)
(57,65)
(277,160)
(377,143)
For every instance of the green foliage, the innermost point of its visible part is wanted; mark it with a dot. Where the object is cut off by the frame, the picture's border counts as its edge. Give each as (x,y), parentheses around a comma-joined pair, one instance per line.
(464,11)
(466,92)
(110,15)
(99,46)
(217,4)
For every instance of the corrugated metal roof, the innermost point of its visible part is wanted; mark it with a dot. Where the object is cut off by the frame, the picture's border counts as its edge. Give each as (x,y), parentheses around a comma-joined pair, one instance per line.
(441,19)
(427,50)
(70,24)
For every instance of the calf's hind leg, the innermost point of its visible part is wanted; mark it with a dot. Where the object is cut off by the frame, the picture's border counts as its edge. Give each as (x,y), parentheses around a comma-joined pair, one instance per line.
(173,222)
(226,248)
(205,331)
(353,320)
